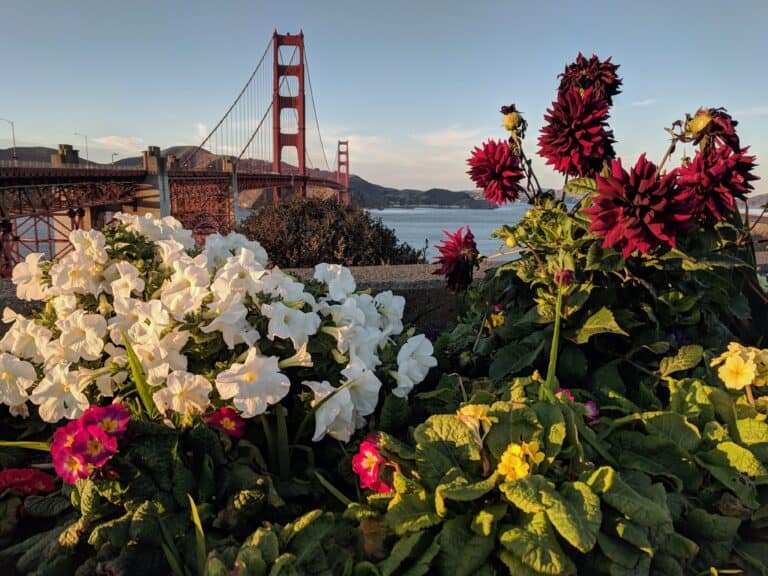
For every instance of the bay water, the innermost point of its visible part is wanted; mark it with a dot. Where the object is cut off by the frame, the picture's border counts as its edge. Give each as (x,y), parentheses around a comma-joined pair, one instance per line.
(418,226)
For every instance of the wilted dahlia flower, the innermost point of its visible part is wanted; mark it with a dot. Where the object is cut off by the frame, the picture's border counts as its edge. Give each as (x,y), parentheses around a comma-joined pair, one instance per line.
(495,168)
(593,73)
(458,256)
(715,178)
(576,138)
(638,210)
(714,125)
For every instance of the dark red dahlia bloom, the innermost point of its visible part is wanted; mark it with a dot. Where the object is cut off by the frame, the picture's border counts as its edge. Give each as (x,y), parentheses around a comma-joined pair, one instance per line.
(496,169)
(458,257)
(576,139)
(639,210)
(715,178)
(591,73)
(714,125)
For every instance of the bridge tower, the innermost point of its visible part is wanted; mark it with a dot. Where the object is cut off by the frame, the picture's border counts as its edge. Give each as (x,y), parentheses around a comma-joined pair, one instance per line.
(342,170)
(282,139)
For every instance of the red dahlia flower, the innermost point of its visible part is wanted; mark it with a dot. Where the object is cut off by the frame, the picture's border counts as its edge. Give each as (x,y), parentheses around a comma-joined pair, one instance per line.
(640,209)
(714,125)
(715,178)
(458,256)
(576,139)
(496,169)
(593,73)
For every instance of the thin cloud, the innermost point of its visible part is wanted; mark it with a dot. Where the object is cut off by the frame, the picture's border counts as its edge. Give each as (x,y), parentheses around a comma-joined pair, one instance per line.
(643,103)
(448,138)
(125,143)
(751,112)
(201,130)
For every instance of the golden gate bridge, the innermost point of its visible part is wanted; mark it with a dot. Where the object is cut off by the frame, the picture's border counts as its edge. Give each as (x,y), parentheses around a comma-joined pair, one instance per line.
(263,145)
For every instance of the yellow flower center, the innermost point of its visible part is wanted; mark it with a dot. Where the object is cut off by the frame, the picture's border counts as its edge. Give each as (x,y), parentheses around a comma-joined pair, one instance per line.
(108,424)
(370,461)
(251,376)
(227,423)
(94,447)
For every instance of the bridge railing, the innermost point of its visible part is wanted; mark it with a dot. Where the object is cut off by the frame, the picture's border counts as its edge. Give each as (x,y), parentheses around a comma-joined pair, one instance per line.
(33,164)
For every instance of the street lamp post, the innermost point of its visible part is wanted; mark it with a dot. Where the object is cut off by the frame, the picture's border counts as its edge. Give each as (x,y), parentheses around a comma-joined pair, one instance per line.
(113,157)
(13,137)
(87,158)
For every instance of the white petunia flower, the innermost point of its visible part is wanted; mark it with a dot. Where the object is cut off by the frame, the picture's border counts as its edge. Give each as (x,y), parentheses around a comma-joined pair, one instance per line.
(26,339)
(16,376)
(185,393)
(339,279)
(287,322)
(172,229)
(366,304)
(90,243)
(28,278)
(64,304)
(240,274)
(334,411)
(82,335)
(187,288)
(59,395)
(167,252)
(391,309)
(362,343)
(254,384)
(76,273)
(219,248)
(154,360)
(363,386)
(229,318)
(123,279)
(277,283)
(413,362)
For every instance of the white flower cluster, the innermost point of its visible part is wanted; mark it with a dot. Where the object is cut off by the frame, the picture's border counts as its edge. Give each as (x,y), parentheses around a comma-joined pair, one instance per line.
(207,324)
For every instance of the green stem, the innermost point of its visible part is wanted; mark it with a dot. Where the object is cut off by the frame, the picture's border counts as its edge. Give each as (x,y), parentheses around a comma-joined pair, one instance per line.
(271,444)
(42,446)
(283,451)
(549,388)
(332,489)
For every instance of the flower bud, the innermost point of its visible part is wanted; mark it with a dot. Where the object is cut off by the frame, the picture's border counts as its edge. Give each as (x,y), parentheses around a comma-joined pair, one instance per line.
(564,278)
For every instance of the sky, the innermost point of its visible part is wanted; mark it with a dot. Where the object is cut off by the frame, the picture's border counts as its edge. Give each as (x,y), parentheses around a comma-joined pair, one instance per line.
(413,85)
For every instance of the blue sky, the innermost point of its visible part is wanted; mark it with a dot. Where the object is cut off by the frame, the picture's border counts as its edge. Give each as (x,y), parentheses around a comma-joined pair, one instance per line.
(412,84)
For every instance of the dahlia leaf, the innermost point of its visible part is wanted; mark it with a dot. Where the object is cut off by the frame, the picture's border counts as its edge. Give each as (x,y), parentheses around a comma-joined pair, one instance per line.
(600,322)
(580,186)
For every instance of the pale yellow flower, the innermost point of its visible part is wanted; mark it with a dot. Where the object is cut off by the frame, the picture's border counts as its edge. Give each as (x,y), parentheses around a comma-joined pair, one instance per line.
(512,465)
(737,373)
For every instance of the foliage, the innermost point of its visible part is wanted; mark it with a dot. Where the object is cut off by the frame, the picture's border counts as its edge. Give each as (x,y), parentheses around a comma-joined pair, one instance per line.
(304,231)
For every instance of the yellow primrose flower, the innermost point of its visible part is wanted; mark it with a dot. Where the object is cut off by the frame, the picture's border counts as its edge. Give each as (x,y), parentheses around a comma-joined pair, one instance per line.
(512,465)
(531,450)
(737,373)
(475,416)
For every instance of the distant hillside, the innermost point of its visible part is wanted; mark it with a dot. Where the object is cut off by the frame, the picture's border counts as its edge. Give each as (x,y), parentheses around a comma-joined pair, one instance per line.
(369,195)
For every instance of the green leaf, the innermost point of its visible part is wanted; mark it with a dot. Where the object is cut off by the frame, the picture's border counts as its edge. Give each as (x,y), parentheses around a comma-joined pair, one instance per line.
(485,521)
(580,186)
(512,359)
(139,379)
(575,513)
(511,425)
(624,556)
(686,358)
(606,482)
(673,427)
(444,442)
(534,543)
(572,365)
(401,552)
(411,509)
(553,421)
(690,398)
(735,456)
(462,552)
(600,322)
(46,506)
(115,532)
(455,486)
(739,484)
(526,493)
(201,551)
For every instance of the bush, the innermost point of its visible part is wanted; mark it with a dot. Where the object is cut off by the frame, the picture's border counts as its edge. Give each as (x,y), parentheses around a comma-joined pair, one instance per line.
(304,231)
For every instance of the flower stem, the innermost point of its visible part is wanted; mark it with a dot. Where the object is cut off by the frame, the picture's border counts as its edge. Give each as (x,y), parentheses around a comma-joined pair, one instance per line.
(271,444)
(283,451)
(549,384)
(750,397)
(666,156)
(332,489)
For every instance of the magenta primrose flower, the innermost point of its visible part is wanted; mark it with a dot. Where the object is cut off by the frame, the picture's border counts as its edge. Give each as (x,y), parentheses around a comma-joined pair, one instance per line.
(228,421)
(366,464)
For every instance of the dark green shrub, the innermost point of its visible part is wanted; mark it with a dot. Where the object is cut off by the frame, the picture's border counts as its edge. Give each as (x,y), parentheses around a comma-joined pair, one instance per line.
(305,231)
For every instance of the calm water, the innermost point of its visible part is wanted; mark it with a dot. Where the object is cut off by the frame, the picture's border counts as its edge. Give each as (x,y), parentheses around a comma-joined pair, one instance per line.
(416,225)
